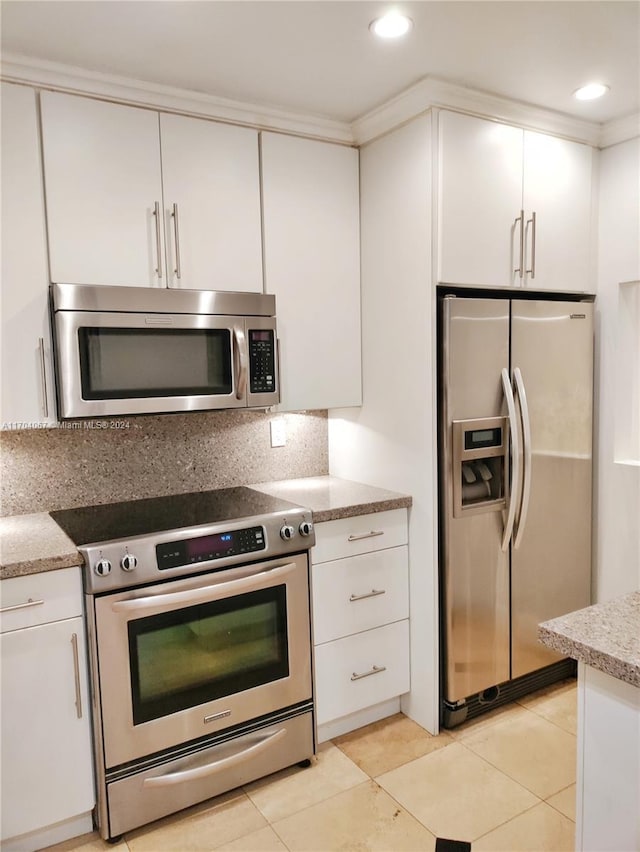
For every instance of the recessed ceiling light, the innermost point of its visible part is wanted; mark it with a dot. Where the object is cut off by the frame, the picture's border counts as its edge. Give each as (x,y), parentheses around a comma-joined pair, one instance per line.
(392,25)
(591,91)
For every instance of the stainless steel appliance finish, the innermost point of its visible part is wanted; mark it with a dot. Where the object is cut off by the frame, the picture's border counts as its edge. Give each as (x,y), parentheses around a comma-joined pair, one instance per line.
(200,644)
(141,350)
(516,391)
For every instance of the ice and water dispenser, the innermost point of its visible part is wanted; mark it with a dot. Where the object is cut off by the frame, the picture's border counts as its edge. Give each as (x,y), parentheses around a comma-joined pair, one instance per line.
(479,465)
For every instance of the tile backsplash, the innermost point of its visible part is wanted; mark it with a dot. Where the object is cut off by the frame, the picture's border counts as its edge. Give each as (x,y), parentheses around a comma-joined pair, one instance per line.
(82,463)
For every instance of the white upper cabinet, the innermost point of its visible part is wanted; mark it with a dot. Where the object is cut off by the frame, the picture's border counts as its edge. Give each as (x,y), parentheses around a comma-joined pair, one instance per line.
(557,188)
(312,265)
(139,198)
(514,206)
(211,181)
(103,187)
(27,380)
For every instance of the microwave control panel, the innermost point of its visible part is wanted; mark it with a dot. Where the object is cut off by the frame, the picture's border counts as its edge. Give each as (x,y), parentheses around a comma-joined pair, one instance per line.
(262,361)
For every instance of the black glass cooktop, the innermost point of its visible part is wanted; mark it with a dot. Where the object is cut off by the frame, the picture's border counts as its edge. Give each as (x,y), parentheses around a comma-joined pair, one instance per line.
(113,521)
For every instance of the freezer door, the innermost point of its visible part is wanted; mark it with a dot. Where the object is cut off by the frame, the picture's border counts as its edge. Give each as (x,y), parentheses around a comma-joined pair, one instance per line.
(474,568)
(552,347)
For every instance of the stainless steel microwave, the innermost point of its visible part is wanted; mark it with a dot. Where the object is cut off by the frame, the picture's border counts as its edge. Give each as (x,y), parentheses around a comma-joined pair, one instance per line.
(139,350)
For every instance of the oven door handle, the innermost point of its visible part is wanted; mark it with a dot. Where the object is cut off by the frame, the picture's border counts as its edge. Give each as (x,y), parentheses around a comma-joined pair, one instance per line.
(203,594)
(217,765)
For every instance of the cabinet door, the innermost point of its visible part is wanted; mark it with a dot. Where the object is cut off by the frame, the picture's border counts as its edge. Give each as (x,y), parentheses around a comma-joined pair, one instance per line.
(27,381)
(557,186)
(46,748)
(312,265)
(211,173)
(479,199)
(102,183)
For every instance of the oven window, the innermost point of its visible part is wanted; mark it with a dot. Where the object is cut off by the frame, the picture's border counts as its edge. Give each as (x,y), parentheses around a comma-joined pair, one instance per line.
(190,656)
(126,363)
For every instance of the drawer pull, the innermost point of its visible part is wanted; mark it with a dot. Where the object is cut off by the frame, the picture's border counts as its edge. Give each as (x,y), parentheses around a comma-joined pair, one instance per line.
(372,594)
(371,534)
(374,670)
(29,602)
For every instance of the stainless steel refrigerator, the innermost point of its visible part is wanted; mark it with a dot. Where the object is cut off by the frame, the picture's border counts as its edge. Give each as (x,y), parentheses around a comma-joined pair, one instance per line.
(515,446)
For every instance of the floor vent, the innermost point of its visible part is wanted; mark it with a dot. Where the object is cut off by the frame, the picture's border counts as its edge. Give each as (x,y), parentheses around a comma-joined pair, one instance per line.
(495,696)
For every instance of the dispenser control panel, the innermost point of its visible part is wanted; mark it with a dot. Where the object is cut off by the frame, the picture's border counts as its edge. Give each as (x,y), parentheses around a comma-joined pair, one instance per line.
(479,465)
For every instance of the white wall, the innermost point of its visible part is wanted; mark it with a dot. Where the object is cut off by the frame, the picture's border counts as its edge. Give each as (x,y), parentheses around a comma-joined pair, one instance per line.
(617,485)
(390,441)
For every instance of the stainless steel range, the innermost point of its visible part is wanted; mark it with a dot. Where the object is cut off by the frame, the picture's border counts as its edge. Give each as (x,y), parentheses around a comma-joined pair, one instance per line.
(199,629)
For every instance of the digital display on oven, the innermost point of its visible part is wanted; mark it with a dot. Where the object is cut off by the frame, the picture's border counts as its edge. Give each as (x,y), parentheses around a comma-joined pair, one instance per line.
(209,546)
(191,551)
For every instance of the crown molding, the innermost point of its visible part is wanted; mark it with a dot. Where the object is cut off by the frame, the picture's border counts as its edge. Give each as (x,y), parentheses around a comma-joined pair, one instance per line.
(620,130)
(66,78)
(417,99)
(432,92)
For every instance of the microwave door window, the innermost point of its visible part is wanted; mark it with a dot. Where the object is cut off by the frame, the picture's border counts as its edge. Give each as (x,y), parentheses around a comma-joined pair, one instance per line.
(129,363)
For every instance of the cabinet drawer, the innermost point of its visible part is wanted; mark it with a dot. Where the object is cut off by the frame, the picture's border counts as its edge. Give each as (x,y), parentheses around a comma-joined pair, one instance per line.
(361,534)
(360,593)
(40,598)
(346,680)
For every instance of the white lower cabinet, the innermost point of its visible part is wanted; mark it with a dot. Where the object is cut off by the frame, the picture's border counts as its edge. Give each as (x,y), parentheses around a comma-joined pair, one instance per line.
(360,582)
(47,768)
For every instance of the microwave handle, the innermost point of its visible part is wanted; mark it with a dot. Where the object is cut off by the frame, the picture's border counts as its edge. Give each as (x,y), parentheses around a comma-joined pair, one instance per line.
(240,348)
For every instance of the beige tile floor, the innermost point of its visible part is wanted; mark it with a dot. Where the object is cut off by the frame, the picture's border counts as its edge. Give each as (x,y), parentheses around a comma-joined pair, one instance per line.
(504,781)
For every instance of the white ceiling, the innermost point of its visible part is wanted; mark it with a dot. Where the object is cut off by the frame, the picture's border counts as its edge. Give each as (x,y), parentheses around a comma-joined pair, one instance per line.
(319,58)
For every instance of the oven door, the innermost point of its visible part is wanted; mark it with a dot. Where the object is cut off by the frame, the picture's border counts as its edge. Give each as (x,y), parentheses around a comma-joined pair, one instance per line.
(187,658)
(129,363)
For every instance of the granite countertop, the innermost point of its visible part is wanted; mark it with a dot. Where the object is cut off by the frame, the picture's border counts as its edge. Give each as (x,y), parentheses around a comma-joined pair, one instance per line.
(330,498)
(605,636)
(30,544)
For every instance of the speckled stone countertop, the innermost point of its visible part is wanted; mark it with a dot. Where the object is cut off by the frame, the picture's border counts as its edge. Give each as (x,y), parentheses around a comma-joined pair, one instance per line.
(30,544)
(330,498)
(605,636)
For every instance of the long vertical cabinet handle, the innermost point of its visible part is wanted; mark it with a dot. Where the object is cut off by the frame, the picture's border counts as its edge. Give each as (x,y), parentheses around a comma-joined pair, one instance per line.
(43,371)
(526,441)
(520,268)
(156,213)
(76,672)
(515,458)
(240,341)
(176,236)
(532,222)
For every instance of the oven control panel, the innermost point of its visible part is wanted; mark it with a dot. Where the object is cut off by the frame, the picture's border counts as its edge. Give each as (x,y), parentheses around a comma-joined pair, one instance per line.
(190,551)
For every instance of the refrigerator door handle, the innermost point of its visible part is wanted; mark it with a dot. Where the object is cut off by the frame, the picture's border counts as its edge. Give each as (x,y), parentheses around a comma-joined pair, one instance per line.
(526,446)
(515,457)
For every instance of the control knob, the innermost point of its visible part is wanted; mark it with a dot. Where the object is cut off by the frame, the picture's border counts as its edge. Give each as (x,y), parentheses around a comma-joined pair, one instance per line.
(102,567)
(287,532)
(306,528)
(128,562)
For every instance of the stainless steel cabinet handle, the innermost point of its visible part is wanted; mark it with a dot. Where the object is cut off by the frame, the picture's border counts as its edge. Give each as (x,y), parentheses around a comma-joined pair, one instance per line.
(371,534)
(213,591)
(526,446)
(216,765)
(515,458)
(76,672)
(43,371)
(374,670)
(532,222)
(176,235)
(25,605)
(156,213)
(240,342)
(520,268)
(372,594)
